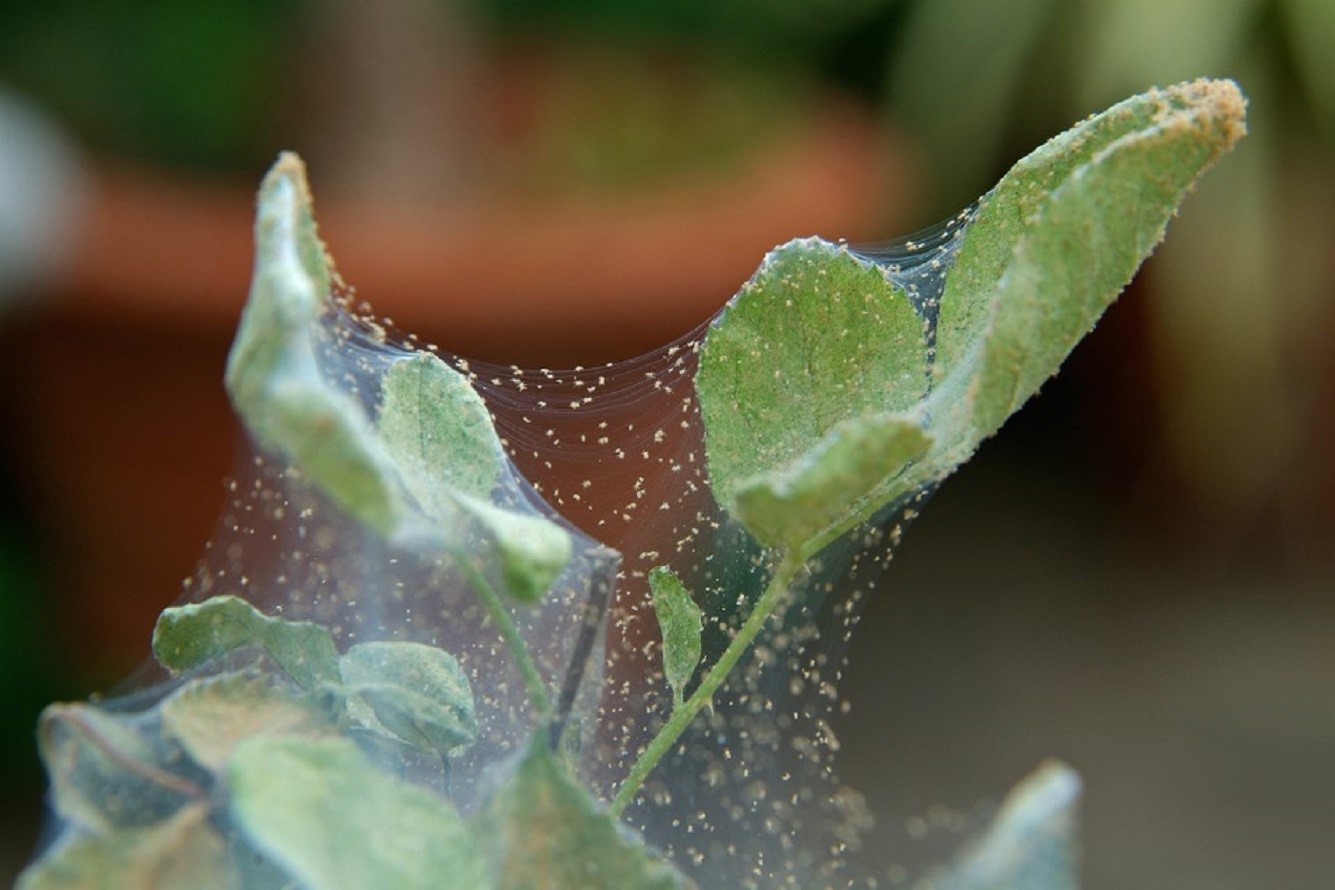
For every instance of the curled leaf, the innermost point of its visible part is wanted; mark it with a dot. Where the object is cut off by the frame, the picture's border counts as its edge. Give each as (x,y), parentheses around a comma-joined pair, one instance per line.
(813,383)
(816,338)
(189,636)
(418,693)
(414,468)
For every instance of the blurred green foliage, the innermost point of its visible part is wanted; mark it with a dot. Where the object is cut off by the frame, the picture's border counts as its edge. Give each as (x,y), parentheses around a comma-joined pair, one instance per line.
(1238,291)
(177,81)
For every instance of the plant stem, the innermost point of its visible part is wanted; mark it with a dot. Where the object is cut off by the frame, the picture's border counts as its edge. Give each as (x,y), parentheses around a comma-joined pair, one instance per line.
(537,690)
(784,573)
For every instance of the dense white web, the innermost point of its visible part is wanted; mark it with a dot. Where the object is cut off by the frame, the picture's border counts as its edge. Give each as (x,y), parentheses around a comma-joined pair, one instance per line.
(615,452)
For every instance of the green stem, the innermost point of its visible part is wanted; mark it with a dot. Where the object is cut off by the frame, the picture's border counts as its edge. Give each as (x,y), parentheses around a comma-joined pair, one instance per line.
(537,690)
(784,573)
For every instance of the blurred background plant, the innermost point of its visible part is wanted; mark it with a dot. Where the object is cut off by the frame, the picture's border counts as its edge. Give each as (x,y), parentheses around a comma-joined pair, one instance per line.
(574,181)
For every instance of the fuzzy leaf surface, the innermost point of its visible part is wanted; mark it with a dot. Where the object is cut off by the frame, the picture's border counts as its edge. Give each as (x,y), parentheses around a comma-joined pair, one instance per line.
(189,636)
(415,466)
(324,813)
(183,852)
(273,376)
(211,716)
(680,624)
(842,480)
(1059,238)
(543,831)
(418,693)
(816,338)
(809,431)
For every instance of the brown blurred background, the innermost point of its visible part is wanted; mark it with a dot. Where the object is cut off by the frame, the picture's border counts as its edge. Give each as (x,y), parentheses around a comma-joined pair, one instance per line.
(1137,576)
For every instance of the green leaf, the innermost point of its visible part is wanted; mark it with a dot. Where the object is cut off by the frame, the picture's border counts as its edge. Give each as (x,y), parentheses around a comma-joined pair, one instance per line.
(106,773)
(438,431)
(187,637)
(419,693)
(429,460)
(330,818)
(532,550)
(182,853)
(272,374)
(210,717)
(439,434)
(816,338)
(680,624)
(842,480)
(1030,843)
(813,380)
(1059,237)
(544,832)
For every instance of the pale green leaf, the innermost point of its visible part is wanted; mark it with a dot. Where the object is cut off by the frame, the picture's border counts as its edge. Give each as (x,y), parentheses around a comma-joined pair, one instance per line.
(418,693)
(440,435)
(842,480)
(182,853)
(438,431)
(210,717)
(680,624)
(324,813)
(816,337)
(105,772)
(272,374)
(1058,239)
(189,636)
(530,549)
(1031,842)
(426,465)
(543,831)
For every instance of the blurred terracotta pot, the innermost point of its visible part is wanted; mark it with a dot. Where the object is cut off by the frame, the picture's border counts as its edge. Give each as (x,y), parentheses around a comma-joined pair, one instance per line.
(119,423)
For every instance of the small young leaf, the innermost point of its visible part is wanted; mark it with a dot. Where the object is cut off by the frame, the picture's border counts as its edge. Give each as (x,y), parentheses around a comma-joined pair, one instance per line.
(680,624)
(418,693)
(1030,843)
(532,550)
(816,337)
(324,813)
(542,830)
(189,636)
(182,853)
(106,773)
(439,433)
(210,717)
